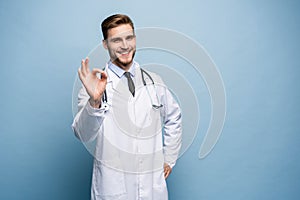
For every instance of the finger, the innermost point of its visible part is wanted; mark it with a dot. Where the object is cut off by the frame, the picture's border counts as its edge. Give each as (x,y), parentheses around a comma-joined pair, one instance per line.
(87,60)
(81,77)
(83,70)
(167,173)
(167,170)
(96,71)
(103,75)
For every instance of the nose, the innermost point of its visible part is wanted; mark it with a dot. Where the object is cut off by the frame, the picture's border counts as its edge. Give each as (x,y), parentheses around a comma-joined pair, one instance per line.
(124,44)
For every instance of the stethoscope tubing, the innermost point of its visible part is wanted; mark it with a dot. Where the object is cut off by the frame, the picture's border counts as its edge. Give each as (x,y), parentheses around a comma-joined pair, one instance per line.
(104,97)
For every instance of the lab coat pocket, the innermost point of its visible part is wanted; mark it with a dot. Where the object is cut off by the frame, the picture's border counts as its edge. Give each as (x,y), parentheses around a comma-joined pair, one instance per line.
(108,183)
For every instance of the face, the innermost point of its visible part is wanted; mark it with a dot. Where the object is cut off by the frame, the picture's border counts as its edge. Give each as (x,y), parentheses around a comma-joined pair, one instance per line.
(121,45)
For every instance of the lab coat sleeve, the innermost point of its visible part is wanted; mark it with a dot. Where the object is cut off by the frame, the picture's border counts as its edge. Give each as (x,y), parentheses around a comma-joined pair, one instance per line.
(88,120)
(172,128)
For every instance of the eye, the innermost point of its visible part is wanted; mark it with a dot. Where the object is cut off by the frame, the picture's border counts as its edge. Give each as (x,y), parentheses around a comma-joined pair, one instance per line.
(130,37)
(116,40)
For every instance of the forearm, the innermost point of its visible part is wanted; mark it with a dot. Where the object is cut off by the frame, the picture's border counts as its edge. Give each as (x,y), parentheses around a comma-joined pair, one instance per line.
(172,130)
(172,140)
(88,120)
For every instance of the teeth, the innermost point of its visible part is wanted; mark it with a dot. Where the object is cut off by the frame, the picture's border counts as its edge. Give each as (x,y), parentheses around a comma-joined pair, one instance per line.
(124,53)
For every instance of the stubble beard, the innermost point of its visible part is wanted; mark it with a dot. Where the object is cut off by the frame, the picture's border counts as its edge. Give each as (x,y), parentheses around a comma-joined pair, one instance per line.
(122,64)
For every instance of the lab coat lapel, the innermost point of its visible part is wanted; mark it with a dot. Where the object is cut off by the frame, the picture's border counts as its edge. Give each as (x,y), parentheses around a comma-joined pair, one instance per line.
(115,83)
(118,86)
(138,78)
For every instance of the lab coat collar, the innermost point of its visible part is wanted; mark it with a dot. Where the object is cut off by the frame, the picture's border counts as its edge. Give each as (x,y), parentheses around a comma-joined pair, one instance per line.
(113,77)
(119,71)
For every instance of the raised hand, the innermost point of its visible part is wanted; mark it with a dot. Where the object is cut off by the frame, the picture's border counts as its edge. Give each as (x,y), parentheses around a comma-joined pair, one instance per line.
(94,85)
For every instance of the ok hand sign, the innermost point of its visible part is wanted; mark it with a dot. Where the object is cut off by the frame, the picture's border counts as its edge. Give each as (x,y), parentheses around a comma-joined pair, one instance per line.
(94,85)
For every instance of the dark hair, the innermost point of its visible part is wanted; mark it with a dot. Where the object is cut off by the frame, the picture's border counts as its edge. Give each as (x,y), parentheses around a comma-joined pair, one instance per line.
(114,21)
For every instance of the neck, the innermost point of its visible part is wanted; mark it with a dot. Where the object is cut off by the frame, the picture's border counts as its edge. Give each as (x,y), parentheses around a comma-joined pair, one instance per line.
(123,66)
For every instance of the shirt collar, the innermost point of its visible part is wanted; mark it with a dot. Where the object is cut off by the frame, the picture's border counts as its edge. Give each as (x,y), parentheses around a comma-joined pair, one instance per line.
(119,71)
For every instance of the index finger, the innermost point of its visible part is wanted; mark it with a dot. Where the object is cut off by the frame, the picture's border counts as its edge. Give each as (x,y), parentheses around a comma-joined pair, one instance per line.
(103,75)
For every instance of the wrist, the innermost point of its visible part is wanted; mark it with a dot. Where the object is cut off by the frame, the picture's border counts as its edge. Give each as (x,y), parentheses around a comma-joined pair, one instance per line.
(95,103)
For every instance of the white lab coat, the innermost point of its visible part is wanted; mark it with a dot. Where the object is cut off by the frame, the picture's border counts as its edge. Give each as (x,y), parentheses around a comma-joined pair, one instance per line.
(128,142)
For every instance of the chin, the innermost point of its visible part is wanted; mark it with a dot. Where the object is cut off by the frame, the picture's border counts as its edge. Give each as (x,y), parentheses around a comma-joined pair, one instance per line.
(125,62)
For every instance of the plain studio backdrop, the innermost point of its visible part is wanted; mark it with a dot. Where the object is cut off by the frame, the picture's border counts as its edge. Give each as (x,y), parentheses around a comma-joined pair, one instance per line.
(254,44)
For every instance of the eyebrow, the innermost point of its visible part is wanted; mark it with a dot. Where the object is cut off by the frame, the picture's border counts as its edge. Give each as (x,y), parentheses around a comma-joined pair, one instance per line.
(118,38)
(115,38)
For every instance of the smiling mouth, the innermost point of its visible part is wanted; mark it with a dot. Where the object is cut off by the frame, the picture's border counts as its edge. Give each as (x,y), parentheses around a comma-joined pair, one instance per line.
(124,53)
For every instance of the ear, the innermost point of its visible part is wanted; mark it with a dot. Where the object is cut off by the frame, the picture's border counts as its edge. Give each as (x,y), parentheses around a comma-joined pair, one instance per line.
(104,43)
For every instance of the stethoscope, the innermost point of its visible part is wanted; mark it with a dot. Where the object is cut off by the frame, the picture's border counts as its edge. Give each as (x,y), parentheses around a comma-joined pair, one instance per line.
(155,106)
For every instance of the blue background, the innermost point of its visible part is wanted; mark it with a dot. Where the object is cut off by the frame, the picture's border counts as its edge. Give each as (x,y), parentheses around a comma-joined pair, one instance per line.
(254,44)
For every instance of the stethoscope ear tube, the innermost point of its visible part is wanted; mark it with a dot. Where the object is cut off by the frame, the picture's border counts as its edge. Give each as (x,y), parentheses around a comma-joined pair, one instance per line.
(143,79)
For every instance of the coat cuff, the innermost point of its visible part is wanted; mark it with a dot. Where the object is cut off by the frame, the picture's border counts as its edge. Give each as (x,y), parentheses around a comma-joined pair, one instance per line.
(97,112)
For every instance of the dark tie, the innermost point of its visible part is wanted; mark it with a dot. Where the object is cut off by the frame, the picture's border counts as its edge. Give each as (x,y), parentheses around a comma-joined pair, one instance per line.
(130,82)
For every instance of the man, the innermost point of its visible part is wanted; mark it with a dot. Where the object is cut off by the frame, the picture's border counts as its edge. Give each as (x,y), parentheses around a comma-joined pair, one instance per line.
(122,111)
